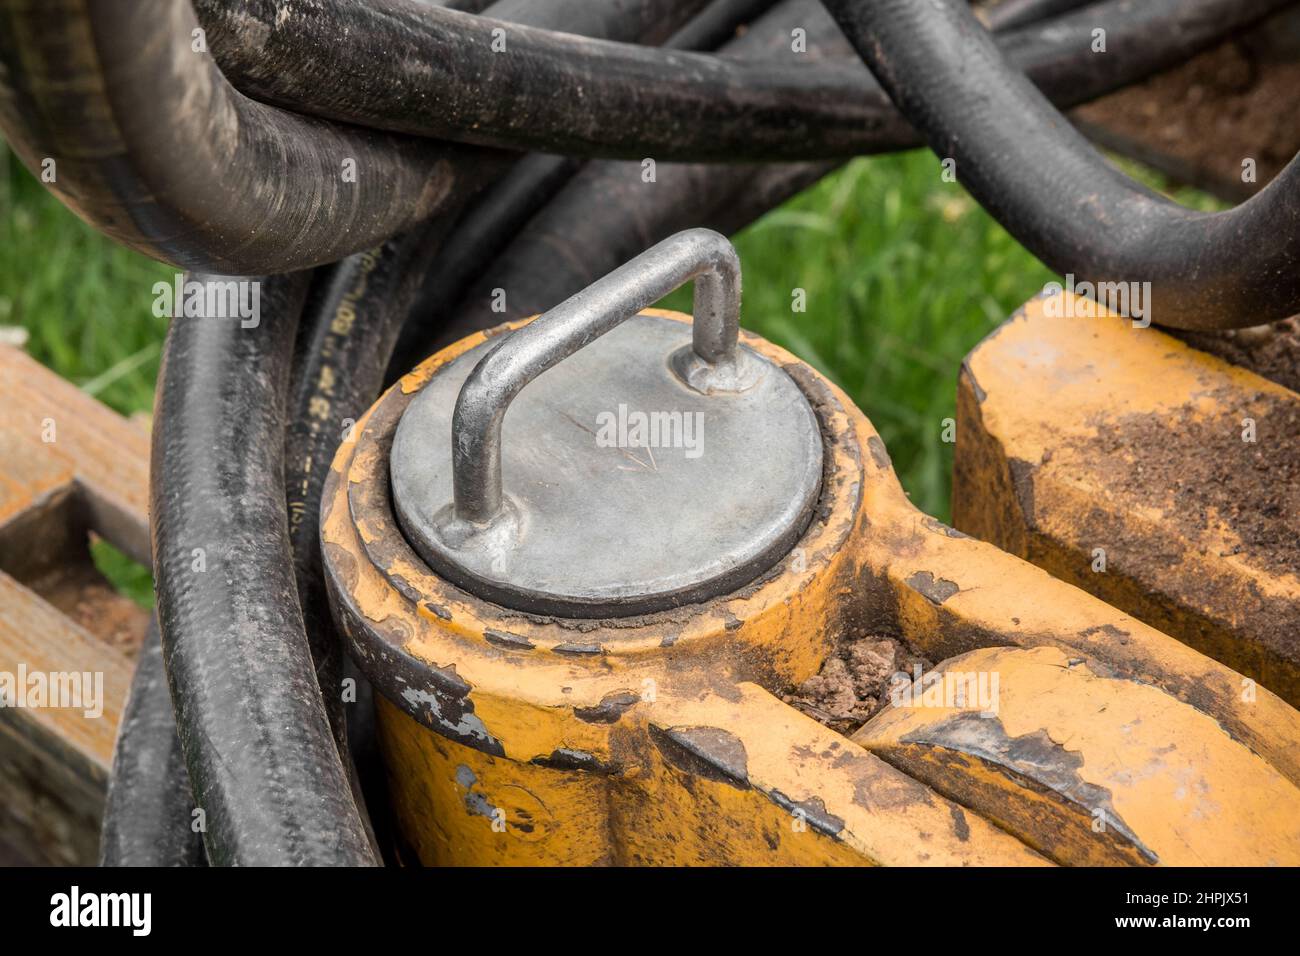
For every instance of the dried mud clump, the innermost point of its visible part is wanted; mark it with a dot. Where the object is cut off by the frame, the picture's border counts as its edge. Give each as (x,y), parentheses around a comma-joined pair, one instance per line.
(854,682)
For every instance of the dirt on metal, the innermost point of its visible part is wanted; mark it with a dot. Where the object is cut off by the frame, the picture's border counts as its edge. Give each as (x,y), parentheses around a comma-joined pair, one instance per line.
(1205,474)
(1270,351)
(855,681)
(80,591)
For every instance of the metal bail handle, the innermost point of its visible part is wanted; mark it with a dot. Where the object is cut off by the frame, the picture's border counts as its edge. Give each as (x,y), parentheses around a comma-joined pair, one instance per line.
(713,363)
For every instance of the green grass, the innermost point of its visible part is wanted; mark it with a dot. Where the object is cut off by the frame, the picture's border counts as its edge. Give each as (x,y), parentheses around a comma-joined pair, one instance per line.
(130,578)
(903,275)
(85,302)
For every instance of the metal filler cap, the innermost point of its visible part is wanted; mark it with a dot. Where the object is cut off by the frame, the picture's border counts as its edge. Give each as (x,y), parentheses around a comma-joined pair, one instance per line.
(659,464)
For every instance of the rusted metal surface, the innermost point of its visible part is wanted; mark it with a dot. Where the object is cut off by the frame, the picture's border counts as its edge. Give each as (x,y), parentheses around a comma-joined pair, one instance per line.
(518,738)
(72,468)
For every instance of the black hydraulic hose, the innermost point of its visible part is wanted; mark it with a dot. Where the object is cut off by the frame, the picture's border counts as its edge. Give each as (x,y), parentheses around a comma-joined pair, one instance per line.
(352,315)
(148,813)
(507,255)
(480,234)
(1141,39)
(433,72)
(1058,196)
(152,145)
(650,22)
(335,376)
(263,766)
(1009,14)
(717,23)
(343,346)
(565,246)
(321,379)
(500,213)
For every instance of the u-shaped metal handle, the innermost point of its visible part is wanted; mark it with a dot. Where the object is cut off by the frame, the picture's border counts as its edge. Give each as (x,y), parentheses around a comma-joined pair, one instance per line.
(714,362)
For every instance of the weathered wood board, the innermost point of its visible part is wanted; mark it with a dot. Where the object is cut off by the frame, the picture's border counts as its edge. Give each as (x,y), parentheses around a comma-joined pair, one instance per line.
(70,469)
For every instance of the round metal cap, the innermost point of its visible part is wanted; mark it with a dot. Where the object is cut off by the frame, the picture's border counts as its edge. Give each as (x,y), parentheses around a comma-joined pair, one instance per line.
(624,489)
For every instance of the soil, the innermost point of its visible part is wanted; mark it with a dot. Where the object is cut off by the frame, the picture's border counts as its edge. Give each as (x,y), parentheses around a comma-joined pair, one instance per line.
(854,683)
(1203,474)
(1270,351)
(1199,120)
(78,590)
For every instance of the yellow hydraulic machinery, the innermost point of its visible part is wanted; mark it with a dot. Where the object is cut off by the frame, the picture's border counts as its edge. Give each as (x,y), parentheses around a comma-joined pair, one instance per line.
(1154,475)
(593,563)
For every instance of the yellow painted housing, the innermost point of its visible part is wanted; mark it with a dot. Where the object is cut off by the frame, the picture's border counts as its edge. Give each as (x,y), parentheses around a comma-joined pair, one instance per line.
(516,739)
(1157,477)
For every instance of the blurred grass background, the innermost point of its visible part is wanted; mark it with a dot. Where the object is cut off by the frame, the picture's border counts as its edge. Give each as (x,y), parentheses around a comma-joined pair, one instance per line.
(903,274)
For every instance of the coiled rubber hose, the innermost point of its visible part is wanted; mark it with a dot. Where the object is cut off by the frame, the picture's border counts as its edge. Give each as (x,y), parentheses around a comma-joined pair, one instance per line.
(356,308)
(147,820)
(1042,180)
(554,256)
(153,147)
(717,24)
(262,763)
(436,72)
(633,21)
(148,815)
(343,342)
(494,219)
(563,248)
(1008,14)
(480,234)
(433,72)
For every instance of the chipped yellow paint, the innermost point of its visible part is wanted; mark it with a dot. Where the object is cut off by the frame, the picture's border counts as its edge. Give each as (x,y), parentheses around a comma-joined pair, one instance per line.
(462,807)
(885,816)
(688,756)
(1091,768)
(1039,406)
(802,783)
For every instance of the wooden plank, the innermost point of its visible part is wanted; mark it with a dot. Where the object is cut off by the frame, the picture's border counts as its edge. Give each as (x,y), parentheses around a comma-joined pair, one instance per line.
(105,454)
(69,467)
